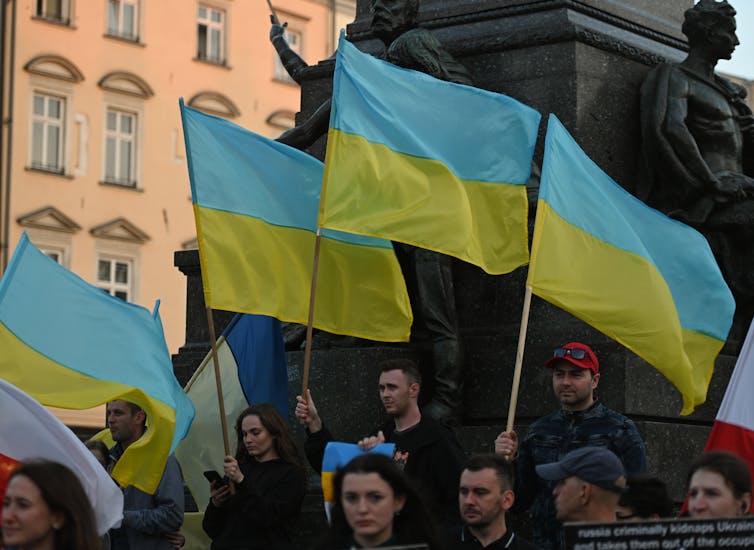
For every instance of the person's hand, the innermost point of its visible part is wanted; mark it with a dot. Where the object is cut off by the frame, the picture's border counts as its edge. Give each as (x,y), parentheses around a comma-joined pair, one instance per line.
(276,29)
(219,493)
(232,470)
(371,442)
(176,539)
(306,412)
(506,445)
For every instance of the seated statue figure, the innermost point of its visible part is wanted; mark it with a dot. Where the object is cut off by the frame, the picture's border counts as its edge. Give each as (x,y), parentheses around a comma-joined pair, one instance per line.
(697,159)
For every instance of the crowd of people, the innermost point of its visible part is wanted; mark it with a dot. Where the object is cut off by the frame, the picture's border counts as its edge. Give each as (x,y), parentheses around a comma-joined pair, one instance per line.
(583,462)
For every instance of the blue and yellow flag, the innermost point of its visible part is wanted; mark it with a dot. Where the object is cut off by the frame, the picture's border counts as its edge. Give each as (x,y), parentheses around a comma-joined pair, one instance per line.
(430,163)
(251,355)
(256,203)
(68,344)
(648,282)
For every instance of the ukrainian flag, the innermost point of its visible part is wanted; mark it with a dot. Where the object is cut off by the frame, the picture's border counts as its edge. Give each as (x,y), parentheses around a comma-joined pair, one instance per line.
(434,164)
(69,344)
(648,282)
(255,203)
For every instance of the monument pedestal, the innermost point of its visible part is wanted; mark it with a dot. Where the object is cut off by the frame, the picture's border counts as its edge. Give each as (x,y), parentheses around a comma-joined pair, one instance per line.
(583,61)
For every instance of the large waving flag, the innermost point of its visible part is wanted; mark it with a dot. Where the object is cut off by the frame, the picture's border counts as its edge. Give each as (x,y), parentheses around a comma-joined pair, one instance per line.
(733,429)
(649,282)
(68,344)
(29,431)
(256,203)
(251,354)
(431,163)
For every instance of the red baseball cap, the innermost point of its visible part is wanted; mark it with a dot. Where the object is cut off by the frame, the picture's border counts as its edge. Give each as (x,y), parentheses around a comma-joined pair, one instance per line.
(577,354)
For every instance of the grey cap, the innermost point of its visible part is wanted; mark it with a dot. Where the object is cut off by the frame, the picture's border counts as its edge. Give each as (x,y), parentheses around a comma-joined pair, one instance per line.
(596,465)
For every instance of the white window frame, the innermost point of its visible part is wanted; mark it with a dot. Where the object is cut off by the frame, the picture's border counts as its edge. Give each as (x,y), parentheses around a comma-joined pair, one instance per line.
(221,26)
(295,45)
(47,123)
(119,138)
(50,241)
(116,27)
(111,286)
(41,10)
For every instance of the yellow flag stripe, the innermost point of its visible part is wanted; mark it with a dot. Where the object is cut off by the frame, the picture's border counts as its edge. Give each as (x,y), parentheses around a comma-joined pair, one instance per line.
(624,296)
(277,266)
(479,222)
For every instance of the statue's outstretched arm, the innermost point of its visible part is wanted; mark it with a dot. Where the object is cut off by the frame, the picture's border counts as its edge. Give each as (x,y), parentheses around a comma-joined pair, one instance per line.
(292,62)
(305,134)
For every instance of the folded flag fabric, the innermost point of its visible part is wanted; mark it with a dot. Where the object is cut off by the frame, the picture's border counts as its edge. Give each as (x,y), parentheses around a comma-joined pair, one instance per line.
(68,344)
(426,162)
(336,456)
(29,431)
(648,282)
(251,354)
(733,429)
(256,203)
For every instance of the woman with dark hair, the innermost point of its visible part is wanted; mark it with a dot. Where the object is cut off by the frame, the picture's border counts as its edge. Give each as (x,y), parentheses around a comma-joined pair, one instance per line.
(375,505)
(268,485)
(45,508)
(719,485)
(646,498)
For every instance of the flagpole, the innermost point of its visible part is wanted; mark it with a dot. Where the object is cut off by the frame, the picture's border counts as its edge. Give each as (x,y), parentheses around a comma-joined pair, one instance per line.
(310,321)
(519,359)
(218,380)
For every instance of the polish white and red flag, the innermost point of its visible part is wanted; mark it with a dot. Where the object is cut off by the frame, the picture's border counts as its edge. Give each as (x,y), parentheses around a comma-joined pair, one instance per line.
(28,431)
(733,429)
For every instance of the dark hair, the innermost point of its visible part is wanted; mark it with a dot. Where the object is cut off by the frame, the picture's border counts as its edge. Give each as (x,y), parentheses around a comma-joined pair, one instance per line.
(63,493)
(283,440)
(413,525)
(733,469)
(99,446)
(647,495)
(406,366)
(503,468)
(703,17)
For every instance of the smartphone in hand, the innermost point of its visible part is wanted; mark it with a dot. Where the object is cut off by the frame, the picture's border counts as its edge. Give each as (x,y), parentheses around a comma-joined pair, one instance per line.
(212,475)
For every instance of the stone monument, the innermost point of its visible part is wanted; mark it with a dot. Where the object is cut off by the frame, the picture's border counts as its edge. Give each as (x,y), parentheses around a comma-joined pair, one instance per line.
(584,61)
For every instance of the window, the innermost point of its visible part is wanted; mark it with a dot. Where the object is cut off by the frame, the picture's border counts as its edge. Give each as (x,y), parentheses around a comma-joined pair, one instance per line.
(114,277)
(211,34)
(55,10)
(122,19)
(47,136)
(54,254)
(120,147)
(294,39)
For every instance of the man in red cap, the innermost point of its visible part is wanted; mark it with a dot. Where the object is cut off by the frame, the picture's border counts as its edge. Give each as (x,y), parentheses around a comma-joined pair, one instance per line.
(580,422)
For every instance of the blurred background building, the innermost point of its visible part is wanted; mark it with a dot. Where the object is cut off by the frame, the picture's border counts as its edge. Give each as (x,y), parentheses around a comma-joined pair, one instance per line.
(92,161)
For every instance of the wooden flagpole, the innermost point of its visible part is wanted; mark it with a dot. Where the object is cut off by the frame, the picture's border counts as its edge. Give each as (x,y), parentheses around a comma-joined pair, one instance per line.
(218,380)
(310,321)
(519,359)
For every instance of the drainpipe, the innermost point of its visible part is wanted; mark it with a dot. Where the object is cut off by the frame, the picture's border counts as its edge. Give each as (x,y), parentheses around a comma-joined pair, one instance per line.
(9,132)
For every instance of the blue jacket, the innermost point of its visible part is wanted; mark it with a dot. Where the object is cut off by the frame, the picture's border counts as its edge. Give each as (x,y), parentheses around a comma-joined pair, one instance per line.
(554,435)
(147,518)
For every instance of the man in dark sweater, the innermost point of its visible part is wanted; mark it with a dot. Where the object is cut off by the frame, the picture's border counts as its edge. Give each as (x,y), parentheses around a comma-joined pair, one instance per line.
(484,496)
(428,452)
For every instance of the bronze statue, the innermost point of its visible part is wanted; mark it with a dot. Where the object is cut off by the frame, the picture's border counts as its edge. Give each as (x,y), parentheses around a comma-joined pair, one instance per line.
(428,274)
(697,162)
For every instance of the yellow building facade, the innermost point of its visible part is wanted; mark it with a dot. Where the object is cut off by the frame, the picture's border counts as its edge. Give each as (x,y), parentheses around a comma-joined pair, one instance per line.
(93,165)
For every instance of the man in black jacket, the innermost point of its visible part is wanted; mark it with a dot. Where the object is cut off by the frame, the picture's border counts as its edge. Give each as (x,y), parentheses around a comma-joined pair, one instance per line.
(428,452)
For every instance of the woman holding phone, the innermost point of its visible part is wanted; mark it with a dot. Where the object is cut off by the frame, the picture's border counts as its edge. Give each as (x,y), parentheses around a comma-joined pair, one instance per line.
(269,485)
